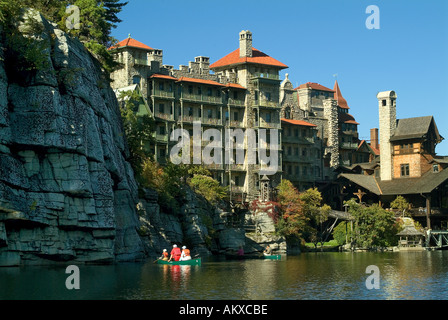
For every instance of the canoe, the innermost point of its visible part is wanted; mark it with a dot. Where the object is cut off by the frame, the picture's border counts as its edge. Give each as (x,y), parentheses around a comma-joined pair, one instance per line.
(192,262)
(274,257)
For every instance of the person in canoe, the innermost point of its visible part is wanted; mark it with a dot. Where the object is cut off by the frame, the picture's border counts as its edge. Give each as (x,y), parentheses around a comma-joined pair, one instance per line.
(267,251)
(165,256)
(175,253)
(185,255)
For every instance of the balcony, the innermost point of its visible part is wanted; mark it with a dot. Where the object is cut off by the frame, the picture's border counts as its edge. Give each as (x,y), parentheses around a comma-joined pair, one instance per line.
(211,121)
(161,137)
(162,94)
(235,102)
(201,98)
(164,116)
(191,119)
(271,125)
(297,140)
(234,123)
(141,62)
(236,167)
(269,76)
(262,103)
(349,145)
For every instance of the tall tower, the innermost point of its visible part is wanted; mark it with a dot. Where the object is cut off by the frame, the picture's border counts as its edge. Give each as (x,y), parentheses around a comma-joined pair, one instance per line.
(388,123)
(245,44)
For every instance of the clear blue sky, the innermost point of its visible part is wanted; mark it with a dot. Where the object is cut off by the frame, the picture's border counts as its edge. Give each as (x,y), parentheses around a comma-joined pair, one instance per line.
(316,39)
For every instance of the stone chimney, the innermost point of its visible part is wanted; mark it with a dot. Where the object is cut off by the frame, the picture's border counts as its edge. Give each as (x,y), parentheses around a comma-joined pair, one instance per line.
(245,44)
(374,143)
(388,123)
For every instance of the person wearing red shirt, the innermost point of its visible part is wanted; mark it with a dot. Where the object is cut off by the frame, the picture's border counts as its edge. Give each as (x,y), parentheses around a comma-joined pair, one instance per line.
(175,253)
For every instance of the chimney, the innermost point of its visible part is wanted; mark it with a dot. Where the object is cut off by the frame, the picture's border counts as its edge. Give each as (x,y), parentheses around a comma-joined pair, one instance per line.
(245,44)
(388,123)
(374,138)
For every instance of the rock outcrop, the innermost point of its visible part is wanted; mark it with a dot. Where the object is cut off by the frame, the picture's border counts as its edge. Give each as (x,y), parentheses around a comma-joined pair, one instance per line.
(67,192)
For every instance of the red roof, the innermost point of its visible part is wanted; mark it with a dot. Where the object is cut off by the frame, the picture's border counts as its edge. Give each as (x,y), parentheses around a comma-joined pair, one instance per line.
(258,57)
(211,82)
(346,118)
(129,42)
(315,86)
(342,103)
(162,76)
(235,85)
(298,122)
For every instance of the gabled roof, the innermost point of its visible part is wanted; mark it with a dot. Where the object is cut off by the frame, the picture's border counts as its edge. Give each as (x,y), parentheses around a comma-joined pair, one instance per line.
(129,42)
(298,122)
(315,86)
(258,57)
(342,103)
(414,128)
(424,184)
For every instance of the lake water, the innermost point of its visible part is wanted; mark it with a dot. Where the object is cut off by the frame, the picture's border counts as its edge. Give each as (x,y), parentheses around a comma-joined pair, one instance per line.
(317,276)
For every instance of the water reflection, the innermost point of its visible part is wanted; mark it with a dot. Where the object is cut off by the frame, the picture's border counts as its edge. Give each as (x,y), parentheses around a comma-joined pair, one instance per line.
(403,275)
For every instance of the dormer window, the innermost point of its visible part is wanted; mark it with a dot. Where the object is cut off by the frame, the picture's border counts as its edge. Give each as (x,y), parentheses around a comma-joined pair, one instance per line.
(435,168)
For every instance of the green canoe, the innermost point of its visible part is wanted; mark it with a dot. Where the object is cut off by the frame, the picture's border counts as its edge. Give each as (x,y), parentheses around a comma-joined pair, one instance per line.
(192,262)
(273,257)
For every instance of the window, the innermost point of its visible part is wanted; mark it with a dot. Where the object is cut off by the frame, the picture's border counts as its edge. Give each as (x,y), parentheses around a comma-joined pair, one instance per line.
(435,168)
(235,116)
(296,132)
(162,153)
(268,117)
(404,170)
(209,113)
(162,130)
(268,96)
(209,92)
(289,151)
(136,80)
(235,95)
(161,87)
(227,115)
(384,103)
(199,90)
(190,111)
(256,96)
(161,108)
(190,89)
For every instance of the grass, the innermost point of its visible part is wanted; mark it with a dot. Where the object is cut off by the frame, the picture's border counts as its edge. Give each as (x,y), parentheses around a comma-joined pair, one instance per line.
(331,243)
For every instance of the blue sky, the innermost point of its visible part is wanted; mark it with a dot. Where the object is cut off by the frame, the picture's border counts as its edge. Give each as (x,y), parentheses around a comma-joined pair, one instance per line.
(316,39)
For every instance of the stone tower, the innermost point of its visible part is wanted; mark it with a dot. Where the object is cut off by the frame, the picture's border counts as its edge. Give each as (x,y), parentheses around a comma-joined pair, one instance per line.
(245,44)
(388,122)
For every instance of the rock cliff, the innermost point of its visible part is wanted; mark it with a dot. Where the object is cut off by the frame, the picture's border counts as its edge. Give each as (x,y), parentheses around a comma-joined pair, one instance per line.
(67,192)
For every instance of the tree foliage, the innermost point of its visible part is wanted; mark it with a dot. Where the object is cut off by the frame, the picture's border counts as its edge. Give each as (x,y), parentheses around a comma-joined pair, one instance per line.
(402,205)
(96,21)
(373,225)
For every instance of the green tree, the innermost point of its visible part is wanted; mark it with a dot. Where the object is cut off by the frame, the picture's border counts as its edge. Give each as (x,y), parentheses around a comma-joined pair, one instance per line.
(402,205)
(373,225)
(138,129)
(97,19)
(208,187)
(293,221)
(316,213)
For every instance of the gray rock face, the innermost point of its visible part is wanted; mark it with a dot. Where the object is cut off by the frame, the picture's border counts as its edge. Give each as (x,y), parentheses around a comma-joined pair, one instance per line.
(67,192)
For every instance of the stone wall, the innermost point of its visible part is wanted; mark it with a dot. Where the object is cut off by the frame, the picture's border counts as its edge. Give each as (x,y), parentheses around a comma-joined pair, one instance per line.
(67,192)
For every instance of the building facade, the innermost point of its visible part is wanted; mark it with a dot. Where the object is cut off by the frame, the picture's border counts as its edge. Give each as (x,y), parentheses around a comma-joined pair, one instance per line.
(241,92)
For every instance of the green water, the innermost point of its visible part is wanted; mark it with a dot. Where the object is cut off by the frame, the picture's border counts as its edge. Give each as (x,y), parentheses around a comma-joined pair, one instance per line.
(321,276)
